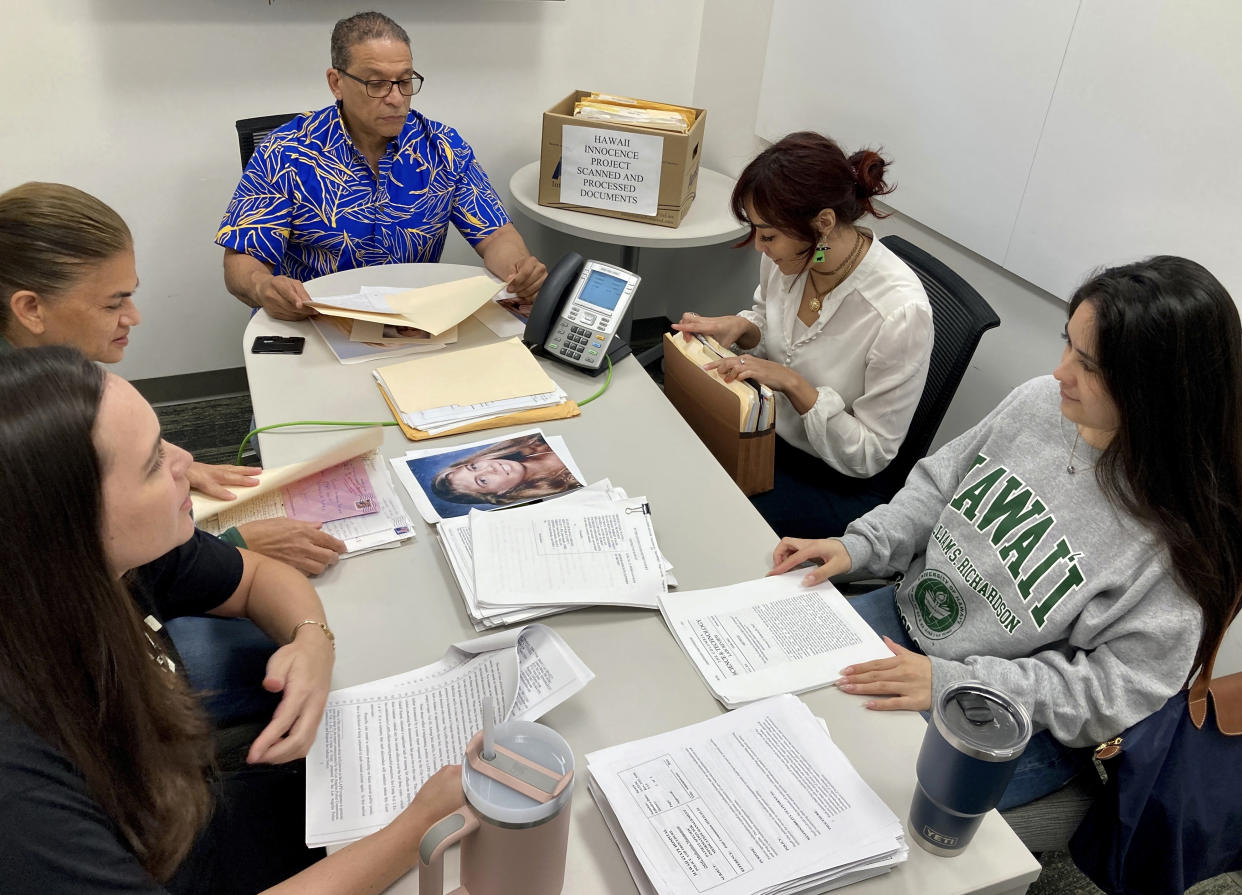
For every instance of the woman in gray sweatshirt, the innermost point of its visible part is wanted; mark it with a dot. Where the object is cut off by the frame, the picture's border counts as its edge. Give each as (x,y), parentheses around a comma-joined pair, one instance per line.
(1078,548)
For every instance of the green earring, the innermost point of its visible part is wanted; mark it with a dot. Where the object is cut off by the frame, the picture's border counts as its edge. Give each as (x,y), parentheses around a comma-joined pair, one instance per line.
(821,252)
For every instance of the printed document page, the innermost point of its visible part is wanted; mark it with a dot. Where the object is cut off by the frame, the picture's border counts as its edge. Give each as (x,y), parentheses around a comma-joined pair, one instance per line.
(754,801)
(770,636)
(591,551)
(379,742)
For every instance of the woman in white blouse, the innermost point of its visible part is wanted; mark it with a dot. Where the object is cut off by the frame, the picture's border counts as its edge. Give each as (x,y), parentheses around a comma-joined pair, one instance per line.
(840,328)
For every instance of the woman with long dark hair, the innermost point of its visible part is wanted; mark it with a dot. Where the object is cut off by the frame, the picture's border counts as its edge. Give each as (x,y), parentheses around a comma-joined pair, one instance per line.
(106,779)
(1078,549)
(840,329)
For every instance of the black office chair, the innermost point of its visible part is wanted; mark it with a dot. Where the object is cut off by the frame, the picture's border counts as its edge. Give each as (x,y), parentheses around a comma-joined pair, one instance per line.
(251,132)
(960,317)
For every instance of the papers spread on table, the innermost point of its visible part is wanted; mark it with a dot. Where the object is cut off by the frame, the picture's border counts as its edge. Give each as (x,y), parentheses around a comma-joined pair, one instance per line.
(592,547)
(338,334)
(448,390)
(360,489)
(761,638)
(430,308)
(379,742)
(759,800)
(756,403)
(487,475)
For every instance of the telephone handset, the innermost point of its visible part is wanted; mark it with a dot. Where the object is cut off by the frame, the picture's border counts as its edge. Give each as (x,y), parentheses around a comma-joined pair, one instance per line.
(578,311)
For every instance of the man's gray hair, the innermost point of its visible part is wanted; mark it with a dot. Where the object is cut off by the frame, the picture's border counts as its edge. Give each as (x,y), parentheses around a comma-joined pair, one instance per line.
(359,28)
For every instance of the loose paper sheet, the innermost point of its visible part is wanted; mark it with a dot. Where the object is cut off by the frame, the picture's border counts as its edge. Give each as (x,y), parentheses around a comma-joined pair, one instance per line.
(379,742)
(756,800)
(769,636)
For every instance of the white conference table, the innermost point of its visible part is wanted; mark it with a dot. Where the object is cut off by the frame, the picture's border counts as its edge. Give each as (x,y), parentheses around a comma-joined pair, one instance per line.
(395,610)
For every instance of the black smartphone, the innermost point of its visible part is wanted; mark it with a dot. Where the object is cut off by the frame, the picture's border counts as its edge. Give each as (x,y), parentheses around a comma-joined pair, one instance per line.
(278,345)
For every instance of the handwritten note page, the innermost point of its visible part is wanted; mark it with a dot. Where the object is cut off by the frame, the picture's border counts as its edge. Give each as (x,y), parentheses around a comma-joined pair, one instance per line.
(340,492)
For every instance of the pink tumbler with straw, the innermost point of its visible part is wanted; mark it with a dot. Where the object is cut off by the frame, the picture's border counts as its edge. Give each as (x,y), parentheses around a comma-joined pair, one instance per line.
(515,824)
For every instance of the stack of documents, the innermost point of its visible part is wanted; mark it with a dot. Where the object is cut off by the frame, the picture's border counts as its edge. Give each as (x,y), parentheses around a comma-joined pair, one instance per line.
(755,401)
(493,385)
(761,638)
(348,489)
(355,341)
(759,801)
(635,112)
(432,309)
(379,742)
(593,547)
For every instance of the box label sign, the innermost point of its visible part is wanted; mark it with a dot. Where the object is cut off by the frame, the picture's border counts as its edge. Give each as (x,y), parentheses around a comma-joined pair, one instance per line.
(610,169)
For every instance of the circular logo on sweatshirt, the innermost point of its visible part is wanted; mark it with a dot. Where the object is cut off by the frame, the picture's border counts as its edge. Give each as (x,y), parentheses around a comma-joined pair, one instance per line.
(939,609)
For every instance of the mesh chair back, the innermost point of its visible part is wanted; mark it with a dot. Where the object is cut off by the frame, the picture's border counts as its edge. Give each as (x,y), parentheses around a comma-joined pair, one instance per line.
(251,132)
(960,317)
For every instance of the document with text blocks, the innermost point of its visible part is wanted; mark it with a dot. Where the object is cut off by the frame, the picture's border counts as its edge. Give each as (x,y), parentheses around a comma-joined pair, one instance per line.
(761,638)
(379,742)
(759,801)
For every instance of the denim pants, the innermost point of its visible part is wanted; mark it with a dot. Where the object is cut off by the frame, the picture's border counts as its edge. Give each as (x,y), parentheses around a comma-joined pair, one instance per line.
(1045,766)
(225,660)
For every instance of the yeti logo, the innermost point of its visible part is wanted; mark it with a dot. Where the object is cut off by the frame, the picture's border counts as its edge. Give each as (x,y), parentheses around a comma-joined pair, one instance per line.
(940,611)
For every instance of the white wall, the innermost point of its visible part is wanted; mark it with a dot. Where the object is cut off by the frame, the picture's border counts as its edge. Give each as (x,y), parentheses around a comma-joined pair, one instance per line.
(143,95)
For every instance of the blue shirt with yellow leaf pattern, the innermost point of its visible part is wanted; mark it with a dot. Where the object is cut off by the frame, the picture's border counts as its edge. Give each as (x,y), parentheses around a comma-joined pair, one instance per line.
(309,204)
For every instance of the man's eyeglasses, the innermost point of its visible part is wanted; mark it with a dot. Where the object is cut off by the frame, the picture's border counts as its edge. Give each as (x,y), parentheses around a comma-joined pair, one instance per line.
(378,89)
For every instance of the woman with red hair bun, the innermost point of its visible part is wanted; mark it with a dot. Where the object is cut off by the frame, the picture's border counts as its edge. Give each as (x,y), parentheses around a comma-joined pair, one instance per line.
(840,329)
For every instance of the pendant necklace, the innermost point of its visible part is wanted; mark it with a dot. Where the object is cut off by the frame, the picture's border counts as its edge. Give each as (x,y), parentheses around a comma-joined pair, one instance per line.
(817,300)
(1069,467)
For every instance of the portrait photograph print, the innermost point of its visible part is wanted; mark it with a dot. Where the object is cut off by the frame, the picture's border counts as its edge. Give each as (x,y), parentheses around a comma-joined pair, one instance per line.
(487,475)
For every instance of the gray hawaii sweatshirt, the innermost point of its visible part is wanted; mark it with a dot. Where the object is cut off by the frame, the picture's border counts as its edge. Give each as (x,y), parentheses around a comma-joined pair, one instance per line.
(1023,575)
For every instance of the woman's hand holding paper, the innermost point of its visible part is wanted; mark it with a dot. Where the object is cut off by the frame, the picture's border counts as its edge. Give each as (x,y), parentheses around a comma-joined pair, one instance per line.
(303,545)
(727,331)
(215,481)
(793,552)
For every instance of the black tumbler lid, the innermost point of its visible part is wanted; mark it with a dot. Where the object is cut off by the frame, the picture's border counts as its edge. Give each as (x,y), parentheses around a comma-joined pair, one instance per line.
(981,721)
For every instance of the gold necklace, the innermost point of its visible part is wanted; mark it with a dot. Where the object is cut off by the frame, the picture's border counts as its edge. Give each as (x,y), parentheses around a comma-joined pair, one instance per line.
(817,299)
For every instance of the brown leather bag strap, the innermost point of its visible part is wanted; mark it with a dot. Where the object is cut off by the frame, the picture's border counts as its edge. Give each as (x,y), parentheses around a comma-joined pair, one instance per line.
(1226,692)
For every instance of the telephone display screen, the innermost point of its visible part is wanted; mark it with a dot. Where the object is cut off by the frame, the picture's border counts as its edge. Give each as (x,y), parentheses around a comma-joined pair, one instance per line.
(602,290)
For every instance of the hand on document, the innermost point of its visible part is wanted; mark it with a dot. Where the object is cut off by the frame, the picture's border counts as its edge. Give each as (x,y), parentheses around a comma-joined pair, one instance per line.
(726,331)
(793,552)
(303,545)
(216,480)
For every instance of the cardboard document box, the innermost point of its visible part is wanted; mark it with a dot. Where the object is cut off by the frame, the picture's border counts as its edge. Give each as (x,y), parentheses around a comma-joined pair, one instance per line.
(712,411)
(635,173)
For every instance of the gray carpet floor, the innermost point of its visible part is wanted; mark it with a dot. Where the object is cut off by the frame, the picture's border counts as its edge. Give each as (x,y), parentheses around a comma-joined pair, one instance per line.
(212,429)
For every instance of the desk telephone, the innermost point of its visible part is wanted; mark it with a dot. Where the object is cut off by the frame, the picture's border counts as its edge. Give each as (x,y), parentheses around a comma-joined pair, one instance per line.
(578,311)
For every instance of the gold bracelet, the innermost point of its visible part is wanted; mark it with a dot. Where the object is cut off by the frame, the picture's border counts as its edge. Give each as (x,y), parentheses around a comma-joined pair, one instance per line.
(310,621)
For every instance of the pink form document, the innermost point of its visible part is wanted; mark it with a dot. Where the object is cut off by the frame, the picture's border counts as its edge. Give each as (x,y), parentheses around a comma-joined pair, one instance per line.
(340,492)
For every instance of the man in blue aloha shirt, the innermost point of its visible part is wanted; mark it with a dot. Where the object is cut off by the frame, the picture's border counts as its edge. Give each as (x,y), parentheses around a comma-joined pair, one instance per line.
(364,181)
